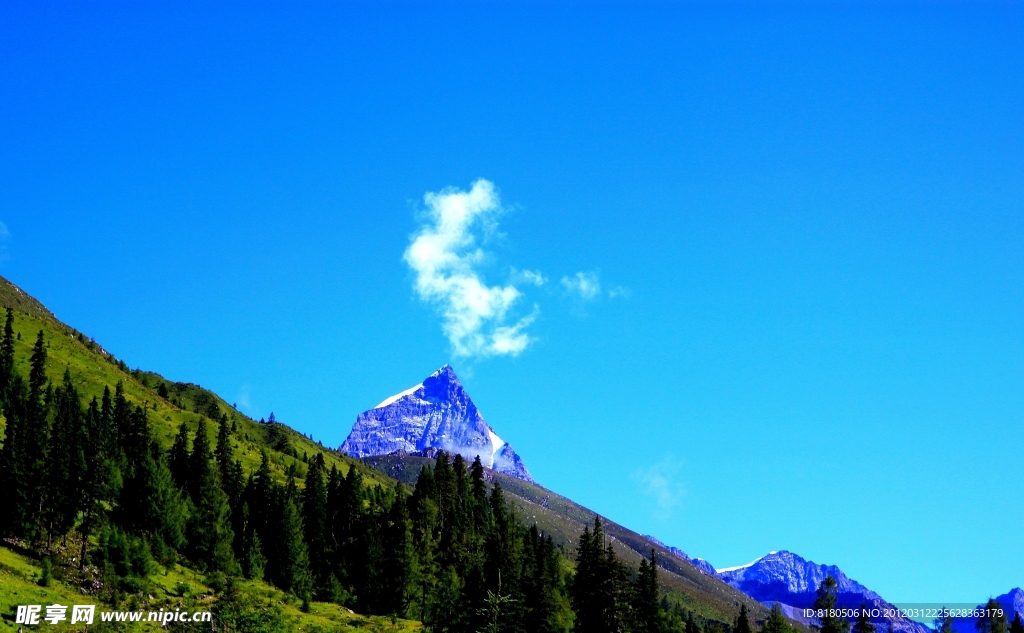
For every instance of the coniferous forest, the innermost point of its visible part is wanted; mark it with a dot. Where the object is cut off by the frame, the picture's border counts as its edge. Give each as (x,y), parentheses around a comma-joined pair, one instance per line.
(90,477)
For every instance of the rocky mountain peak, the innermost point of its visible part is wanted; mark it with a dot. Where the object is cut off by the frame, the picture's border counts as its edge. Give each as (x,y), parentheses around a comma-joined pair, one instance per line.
(435,414)
(792,581)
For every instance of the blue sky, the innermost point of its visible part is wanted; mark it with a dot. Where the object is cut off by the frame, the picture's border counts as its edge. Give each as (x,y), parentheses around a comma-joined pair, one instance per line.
(780,245)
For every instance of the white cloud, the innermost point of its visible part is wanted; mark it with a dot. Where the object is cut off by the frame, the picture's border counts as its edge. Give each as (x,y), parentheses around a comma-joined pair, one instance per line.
(586,285)
(244,399)
(5,236)
(445,256)
(659,482)
(532,277)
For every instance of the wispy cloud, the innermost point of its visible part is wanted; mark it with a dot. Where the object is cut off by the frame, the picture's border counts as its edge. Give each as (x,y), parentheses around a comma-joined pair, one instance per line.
(5,236)
(244,399)
(446,256)
(532,277)
(586,286)
(660,482)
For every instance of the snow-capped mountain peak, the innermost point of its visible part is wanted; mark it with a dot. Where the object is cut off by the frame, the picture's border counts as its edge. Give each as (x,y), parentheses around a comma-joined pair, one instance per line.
(792,581)
(437,413)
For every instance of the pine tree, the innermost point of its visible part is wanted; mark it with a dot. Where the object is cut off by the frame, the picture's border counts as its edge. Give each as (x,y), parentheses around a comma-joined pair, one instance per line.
(944,624)
(598,587)
(34,432)
(424,568)
(210,534)
(15,464)
(151,505)
(255,561)
(7,356)
(314,522)
(541,596)
(120,413)
(200,462)
(397,544)
(65,463)
(1017,626)
(993,619)
(134,434)
(346,516)
(109,428)
(179,457)
(291,559)
(223,452)
(776,622)
(691,626)
(826,601)
(863,623)
(647,612)
(479,492)
(37,372)
(261,499)
(102,477)
(742,621)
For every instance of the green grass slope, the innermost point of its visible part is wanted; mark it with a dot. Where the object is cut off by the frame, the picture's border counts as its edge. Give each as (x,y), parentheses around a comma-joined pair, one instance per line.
(172,588)
(92,369)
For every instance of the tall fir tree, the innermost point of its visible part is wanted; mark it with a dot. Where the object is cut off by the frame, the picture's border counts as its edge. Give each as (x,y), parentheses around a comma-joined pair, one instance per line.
(102,479)
(290,558)
(826,600)
(314,523)
(776,622)
(120,413)
(200,462)
(7,356)
(646,610)
(223,453)
(691,625)
(1017,626)
(863,623)
(993,618)
(397,541)
(16,486)
(65,462)
(943,624)
(152,506)
(34,431)
(742,621)
(210,535)
(598,586)
(178,459)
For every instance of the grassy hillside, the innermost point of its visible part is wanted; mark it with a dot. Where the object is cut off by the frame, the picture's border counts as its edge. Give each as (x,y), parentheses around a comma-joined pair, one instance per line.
(168,404)
(93,369)
(172,588)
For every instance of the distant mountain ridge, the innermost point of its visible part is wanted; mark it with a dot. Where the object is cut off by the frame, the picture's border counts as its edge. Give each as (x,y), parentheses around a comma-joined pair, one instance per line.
(699,563)
(792,581)
(1012,603)
(435,414)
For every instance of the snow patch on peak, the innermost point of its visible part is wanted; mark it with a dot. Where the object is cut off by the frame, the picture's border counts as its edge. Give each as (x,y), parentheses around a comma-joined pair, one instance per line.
(399,396)
(496,445)
(738,567)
